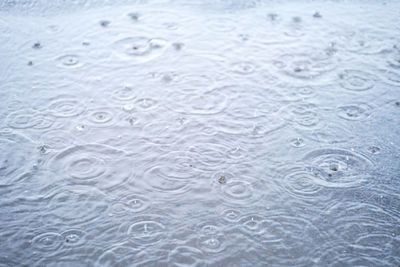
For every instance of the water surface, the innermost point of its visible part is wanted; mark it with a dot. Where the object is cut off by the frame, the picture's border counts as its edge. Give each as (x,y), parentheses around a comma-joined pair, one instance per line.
(199,133)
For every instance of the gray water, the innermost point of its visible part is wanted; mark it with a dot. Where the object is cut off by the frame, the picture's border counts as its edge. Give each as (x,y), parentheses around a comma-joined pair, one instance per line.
(203,133)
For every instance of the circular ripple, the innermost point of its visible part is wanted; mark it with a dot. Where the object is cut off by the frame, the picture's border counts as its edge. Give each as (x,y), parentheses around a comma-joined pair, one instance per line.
(47,241)
(162,132)
(75,205)
(243,67)
(100,117)
(391,77)
(212,244)
(146,103)
(125,94)
(184,256)
(252,224)
(304,66)
(301,182)
(203,103)
(292,93)
(356,80)
(57,139)
(25,119)
(338,168)
(292,239)
(237,190)
(141,49)
(130,204)
(98,165)
(305,115)
(173,174)
(69,61)
(358,230)
(65,106)
(297,142)
(16,157)
(147,230)
(74,237)
(231,215)
(118,255)
(354,112)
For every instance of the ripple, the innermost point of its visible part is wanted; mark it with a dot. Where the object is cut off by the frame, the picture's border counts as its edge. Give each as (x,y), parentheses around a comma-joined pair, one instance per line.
(357,80)
(358,230)
(125,93)
(293,93)
(338,167)
(118,255)
(391,77)
(147,230)
(297,142)
(212,244)
(231,215)
(354,112)
(29,118)
(374,150)
(57,139)
(237,190)
(304,115)
(141,49)
(146,103)
(301,182)
(304,65)
(174,173)
(252,224)
(75,205)
(205,103)
(98,165)
(394,61)
(221,24)
(243,67)
(184,256)
(74,237)
(69,60)
(291,238)
(130,204)
(16,157)
(65,106)
(161,133)
(101,117)
(47,242)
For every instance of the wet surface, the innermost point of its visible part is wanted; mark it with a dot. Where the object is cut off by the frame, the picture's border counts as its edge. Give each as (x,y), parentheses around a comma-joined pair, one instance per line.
(203,133)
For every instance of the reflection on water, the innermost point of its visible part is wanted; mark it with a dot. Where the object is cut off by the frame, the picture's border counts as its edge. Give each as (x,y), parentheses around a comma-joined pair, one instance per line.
(202,133)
